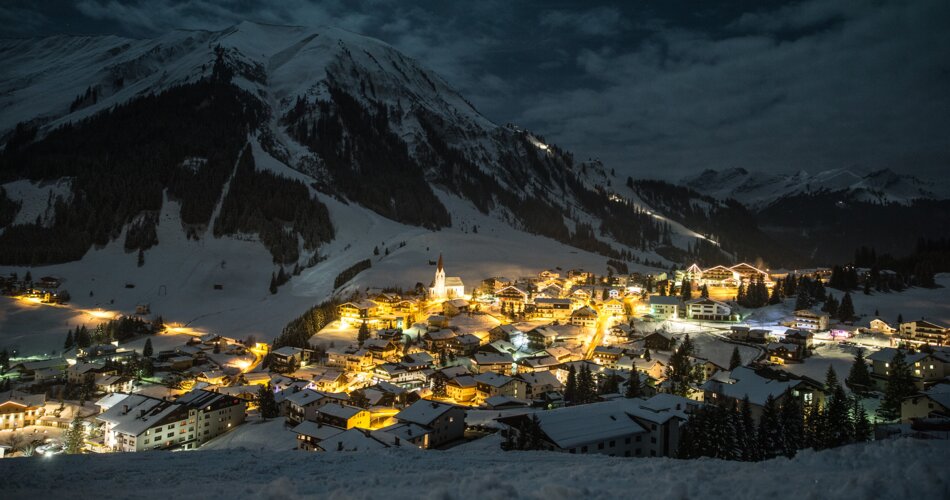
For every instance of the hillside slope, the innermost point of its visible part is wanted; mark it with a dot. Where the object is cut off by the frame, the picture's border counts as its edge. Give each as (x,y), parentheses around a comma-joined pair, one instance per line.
(858,471)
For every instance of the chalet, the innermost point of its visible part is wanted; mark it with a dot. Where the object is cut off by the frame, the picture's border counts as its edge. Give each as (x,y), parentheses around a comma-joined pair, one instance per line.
(665,307)
(287,357)
(584,317)
(442,423)
(356,312)
(551,291)
(541,337)
(440,340)
(803,338)
(19,409)
(140,423)
(747,334)
(490,384)
(548,275)
(502,332)
(343,416)
(653,368)
(925,331)
(613,307)
(659,340)
(357,439)
(932,403)
(461,389)
(748,274)
(579,276)
(706,309)
(693,273)
(926,368)
(400,375)
(512,298)
(484,362)
(310,434)
(721,276)
(607,356)
(559,309)
(878,325)
(539,362)
(539,383)
(382,349)
(727,388)
(811,321)
(467,344)
(782,352)
(303,405)
(83,373)
(454,307)
(113,383)
(621,427)
(437,321)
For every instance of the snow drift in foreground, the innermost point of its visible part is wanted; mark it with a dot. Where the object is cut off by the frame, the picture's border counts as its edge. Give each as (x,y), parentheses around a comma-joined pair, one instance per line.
(890,469)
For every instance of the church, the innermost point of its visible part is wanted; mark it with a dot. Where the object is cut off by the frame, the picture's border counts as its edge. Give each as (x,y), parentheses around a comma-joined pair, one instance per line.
(445,288)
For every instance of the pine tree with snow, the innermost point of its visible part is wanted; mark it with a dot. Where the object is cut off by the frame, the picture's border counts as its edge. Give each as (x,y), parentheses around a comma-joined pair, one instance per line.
(147,349)
(771,439)
(735,360)
(570,389)
(900,385)
(633,385)
(266,402)
(74,437)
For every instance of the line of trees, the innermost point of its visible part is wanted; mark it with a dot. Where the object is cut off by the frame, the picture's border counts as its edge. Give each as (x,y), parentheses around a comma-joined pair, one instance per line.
(730,432)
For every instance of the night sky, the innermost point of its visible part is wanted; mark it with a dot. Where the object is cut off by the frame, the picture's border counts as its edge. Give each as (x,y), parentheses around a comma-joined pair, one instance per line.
(653,88)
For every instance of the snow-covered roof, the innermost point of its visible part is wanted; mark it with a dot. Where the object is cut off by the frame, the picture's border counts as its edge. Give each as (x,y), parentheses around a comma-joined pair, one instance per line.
(406,431)
(287,351)
(504,401)
(577,425)
(664,300)
(540,378)
(490,358)
(340,411)
(137,413)
(887,354)
(743,381)
(493,379)
(316,431)
(423,412)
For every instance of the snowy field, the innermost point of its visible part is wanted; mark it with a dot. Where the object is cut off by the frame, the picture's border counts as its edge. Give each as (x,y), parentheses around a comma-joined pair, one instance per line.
(859,471)
(179,274)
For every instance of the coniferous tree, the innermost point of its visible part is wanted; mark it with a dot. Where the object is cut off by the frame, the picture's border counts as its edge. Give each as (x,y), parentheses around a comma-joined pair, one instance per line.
(681,373)
(686,289)
(776,297)
(900,385)
(633,385)
(792,421)
(266,402)
(735,360)
(147,349)
(831,380)
(141,258)
(68,344)
(438,385)
(771,440)
(838,420)
(862,425)
(846,309)
(748,436)
(802,301)
(83,339)
(273,284)
(74,437)
(704,292)
(859,378)
(646,354)
(363,335)
(570,389)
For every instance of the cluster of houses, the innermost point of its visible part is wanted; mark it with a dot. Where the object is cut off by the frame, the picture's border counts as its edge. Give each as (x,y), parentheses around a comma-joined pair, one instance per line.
(46,289)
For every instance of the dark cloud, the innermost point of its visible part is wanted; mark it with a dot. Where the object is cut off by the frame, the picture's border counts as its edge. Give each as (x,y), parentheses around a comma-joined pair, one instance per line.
(651,88)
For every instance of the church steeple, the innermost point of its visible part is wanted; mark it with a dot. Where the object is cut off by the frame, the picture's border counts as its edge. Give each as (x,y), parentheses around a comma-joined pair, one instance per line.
(440,263)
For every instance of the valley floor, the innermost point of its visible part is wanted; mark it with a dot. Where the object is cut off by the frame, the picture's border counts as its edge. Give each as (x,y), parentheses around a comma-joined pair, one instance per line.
(858,471)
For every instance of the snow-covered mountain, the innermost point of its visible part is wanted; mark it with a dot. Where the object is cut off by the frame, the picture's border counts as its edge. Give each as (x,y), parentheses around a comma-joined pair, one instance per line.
(206,159)
(759,189)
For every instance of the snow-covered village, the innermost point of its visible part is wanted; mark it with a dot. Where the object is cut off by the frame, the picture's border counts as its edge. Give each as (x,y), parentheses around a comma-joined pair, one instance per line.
(453,250)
